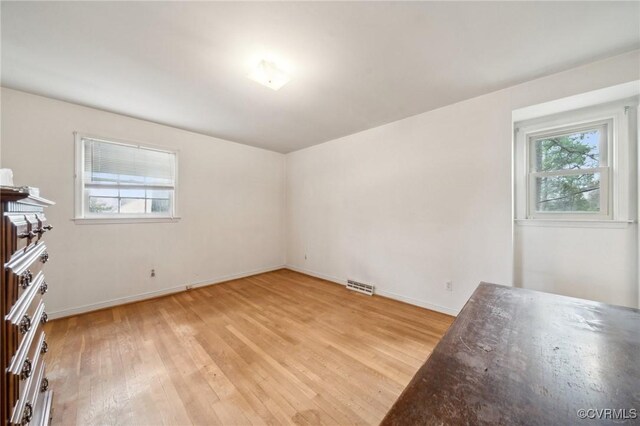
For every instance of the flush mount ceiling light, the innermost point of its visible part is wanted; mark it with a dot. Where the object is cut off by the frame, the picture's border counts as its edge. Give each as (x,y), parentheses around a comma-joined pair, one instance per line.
(268,74)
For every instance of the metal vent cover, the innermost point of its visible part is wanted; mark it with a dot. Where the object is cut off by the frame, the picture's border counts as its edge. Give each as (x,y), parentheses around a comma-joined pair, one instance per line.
(360,287)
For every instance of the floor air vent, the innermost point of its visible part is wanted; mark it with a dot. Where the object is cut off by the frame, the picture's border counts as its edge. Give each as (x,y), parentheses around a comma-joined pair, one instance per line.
(360,287)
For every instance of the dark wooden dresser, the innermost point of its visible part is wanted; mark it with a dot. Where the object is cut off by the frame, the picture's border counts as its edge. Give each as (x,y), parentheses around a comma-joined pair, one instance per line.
(25,394)
(523,357)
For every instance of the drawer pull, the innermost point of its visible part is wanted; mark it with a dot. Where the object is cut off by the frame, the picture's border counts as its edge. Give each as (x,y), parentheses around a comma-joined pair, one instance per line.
(43,229)
(26,369)
(44,318)
(29,234)
(44,257)
(25,324)
(45,347)
(44,287)
(25,278)
(44,385)
(27,414)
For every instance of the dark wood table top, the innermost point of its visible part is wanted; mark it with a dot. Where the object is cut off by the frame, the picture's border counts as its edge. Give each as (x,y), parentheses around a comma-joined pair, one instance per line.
(515,356)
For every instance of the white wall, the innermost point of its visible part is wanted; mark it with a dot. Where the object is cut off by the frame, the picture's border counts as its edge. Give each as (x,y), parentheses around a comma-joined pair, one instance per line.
(415,203)
(590,263)
(231,200)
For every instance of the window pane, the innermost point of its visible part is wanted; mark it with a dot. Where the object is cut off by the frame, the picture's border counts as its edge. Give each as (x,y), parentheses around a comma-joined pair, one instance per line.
(577,150)
(157,206)
(132,193)
(103,205)
(575,193)
(132,205)
(158,193)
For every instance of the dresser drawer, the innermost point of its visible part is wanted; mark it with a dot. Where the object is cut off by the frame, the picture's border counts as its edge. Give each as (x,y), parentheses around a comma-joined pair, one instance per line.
(31,347)
(23,268)
(30,390)
(40,227)
(24,230)
(39,399)
(43,414)
(37,226)
(42,405)
(22,316)
(18,232)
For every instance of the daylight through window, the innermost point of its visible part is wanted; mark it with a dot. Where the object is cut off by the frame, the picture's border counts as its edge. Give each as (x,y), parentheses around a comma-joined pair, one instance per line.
(121,180)
(568,171)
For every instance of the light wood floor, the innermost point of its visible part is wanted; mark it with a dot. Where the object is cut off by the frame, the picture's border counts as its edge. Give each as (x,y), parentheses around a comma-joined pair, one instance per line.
(275,348)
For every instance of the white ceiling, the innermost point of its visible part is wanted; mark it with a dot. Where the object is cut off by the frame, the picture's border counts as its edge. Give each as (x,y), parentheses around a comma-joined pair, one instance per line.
(354,65)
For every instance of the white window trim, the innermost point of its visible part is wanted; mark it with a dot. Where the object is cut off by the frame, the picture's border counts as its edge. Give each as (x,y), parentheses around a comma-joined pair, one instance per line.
(615,175)
(79,217)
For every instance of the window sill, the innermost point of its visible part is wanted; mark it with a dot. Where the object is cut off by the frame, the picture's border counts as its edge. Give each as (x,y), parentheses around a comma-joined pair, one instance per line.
(123,220)
(576,223)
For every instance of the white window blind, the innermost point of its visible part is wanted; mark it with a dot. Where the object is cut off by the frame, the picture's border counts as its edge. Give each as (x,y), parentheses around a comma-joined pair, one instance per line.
(125,180)
(127,164)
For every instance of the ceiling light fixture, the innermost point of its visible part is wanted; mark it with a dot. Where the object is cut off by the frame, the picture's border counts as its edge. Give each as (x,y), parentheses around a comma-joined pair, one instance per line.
(268,74)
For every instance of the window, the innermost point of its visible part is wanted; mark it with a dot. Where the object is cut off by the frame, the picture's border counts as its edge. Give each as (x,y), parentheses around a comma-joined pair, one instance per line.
(120,180)
(576,167)
(569,172)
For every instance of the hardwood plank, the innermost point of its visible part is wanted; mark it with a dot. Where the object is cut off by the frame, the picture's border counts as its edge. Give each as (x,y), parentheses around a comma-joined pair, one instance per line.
(275,348)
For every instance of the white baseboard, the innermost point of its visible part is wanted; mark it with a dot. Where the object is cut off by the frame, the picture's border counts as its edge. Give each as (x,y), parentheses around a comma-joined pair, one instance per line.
(317,274)
(388,294)
(418,302)
(156,293)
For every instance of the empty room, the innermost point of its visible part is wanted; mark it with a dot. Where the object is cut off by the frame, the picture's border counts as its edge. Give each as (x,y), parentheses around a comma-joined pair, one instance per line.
(319,213)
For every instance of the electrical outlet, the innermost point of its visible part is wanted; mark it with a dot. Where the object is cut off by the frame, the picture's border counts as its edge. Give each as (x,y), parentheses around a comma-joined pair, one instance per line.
(448,286)
(189,287)
(153,273)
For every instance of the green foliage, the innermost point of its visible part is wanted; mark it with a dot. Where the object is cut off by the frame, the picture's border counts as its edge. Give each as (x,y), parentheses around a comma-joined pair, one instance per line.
(569,192)
(97,206)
